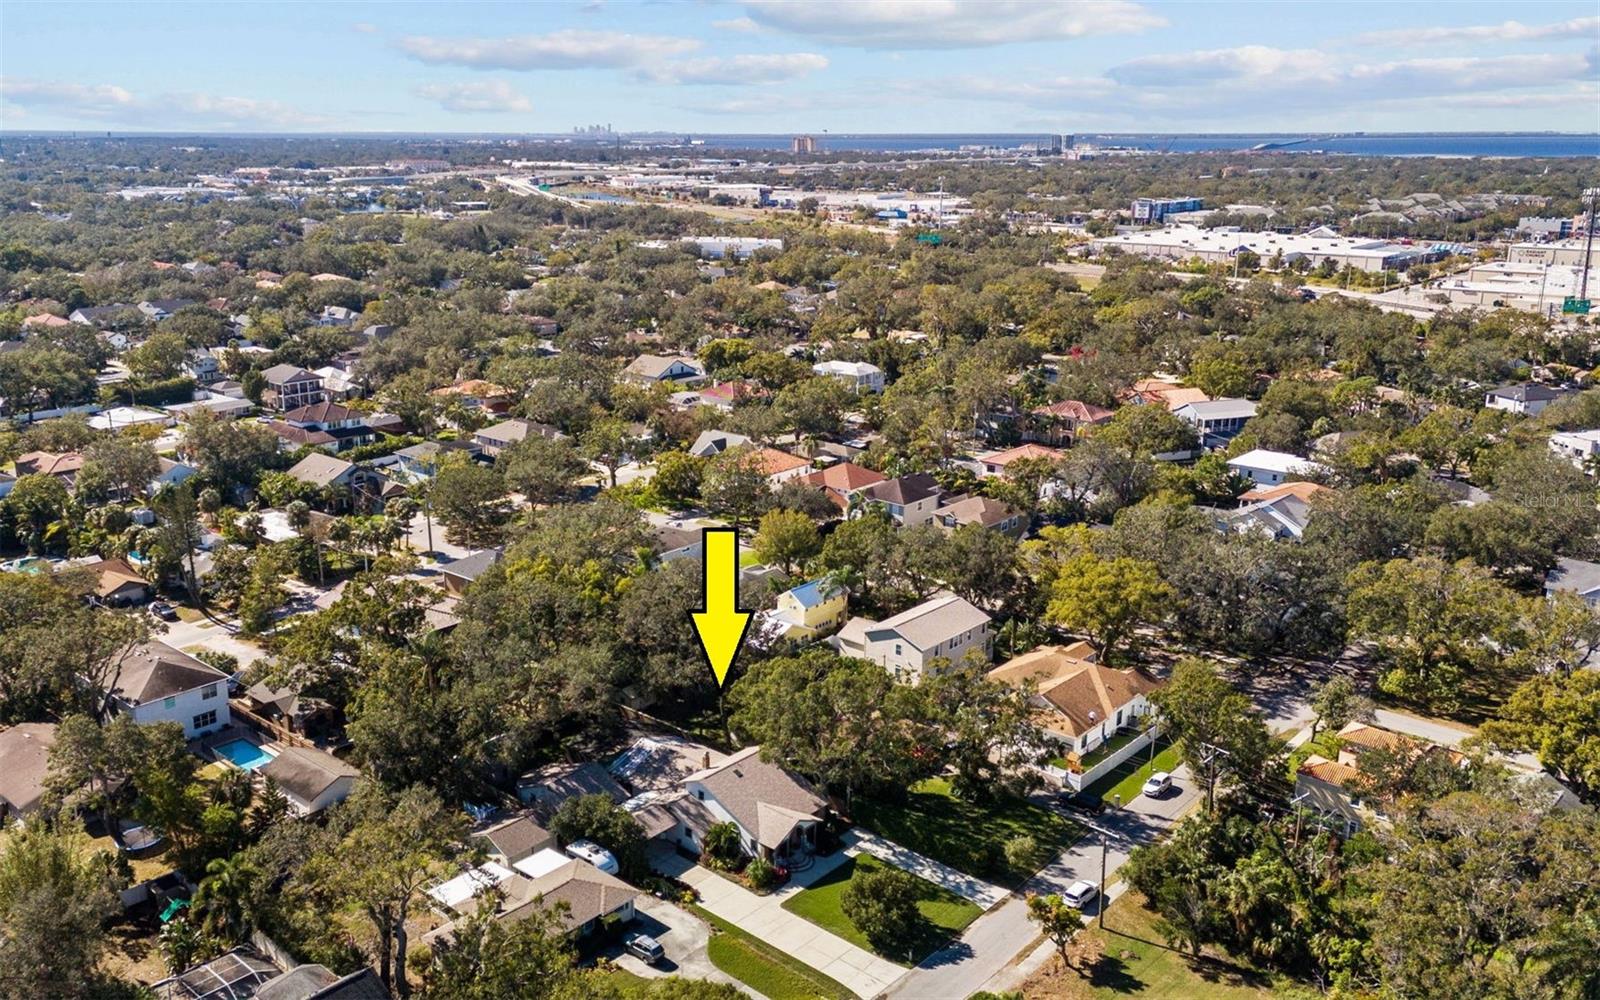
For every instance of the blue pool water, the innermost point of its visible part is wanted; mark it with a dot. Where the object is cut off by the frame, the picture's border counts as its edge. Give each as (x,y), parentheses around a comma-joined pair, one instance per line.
(244,754)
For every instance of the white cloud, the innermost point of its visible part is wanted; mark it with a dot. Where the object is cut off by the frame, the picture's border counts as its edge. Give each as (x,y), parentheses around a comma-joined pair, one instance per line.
(1510,31)
(743,25)
(492,96)
(744,69)
(951,24)
(112,105)
(365,27)
(567,49)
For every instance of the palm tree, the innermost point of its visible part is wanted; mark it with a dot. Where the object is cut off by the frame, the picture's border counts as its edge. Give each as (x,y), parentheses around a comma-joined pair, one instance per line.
(222,902)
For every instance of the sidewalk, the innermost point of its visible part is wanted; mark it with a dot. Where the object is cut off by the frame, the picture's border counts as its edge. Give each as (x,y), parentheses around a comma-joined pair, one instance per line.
(976,890)
(862,972)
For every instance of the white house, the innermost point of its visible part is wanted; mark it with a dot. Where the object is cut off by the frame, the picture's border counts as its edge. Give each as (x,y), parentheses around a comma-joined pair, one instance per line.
(910,500)
(776,811)
(946,628)
(1527,400)
(654,369)
(1217,418)
(858,375)
(1577,447)
(310,779)
(156,683)
(1269,468)
(1574,576)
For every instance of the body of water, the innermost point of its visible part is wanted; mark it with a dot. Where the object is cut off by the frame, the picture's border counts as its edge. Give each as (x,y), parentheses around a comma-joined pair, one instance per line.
(1365,144)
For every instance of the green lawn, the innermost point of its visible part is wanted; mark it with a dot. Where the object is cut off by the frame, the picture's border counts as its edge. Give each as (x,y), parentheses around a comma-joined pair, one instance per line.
(1129,777)
(967,836)
(764,968)
(946,913)
(1325,745)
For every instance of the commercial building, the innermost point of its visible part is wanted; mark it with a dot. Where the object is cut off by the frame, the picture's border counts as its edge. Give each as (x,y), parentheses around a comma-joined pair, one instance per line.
(1157,209)
(1571,252)
(1536,287)
(804,144)
(1222,245)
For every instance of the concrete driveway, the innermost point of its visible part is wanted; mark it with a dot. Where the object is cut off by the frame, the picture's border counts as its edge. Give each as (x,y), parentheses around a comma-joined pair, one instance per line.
(683,937)
(205,634)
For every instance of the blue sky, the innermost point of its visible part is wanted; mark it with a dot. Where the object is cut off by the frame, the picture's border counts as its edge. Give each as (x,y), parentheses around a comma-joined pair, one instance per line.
(801,66)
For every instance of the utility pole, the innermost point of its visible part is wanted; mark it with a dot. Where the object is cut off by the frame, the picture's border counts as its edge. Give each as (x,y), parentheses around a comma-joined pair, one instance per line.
(1211,754)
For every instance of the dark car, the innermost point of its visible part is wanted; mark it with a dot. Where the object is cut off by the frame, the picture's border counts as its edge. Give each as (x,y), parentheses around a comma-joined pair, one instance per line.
(644,947)
(164,611)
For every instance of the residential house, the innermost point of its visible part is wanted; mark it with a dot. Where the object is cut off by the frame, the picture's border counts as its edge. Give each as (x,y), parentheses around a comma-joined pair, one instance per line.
(1574,576)
(120,418)
(44,321)
(546,788)
(1578,447)
(462,573)
(1284,517)
(1062,424)
(1526,400)
(778,466)
(996,463)
(103,316)
(945,628)
(156,310)
(292,438)
(672,543)
(24,762)
(345,426)
(172,473)
(844,482)
(156,683)
(495,438)
(317,982)
(910,500)
(364,487)
(1097,715)
(422,461)
(202,366)
(117,584)
(476,394)
(547,880)
(311,779)
(337,316)
(858,376)
(1161,392)
(716,442)
(656,369)
(1299,488)
(724,396)
(226,407)
(1333,788)
(1217,421)
(289,387)
(996,515)
(338,384)
(777,812)
(511,840)
(1270,468)
(807,611)
(60,465)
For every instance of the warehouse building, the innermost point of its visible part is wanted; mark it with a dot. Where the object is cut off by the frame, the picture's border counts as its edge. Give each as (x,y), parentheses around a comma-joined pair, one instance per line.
(1222,245)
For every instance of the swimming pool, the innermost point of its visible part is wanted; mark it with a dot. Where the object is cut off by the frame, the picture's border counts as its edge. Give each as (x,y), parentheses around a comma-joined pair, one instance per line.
(243,754)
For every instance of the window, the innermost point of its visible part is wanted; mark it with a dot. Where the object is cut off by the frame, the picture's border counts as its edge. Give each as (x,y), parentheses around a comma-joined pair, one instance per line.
(169,703)
(1119,718)
(208,692)
(204,719)
(897,649)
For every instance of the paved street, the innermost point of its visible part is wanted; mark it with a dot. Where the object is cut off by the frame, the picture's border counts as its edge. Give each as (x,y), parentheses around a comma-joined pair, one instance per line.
(995,939)
(205,634)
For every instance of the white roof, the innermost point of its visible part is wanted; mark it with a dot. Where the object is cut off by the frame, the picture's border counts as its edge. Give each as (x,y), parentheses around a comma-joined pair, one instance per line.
(469,884)
(127,416)
(1315,244)
(542,862)
(1274,461)
(855,369)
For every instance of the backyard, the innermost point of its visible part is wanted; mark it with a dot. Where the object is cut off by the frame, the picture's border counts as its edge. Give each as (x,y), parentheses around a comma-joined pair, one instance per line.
(764,968)
(945,913)
(1129,777)
(966,835)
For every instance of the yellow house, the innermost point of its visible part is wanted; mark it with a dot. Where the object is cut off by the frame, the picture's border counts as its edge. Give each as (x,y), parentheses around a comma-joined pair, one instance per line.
(809,610)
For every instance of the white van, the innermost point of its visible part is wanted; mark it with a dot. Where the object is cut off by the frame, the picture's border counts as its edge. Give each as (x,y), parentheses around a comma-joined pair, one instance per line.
(588,850)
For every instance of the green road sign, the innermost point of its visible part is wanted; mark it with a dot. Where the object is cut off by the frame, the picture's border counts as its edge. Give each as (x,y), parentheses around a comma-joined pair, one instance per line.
(1573,304)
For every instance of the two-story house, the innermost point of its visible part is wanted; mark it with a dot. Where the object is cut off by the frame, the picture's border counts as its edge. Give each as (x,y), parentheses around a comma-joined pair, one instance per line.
(348,428)
(1526,400)
(289,387)
(1216,421)
(1062,424)
(156,683)
(807,611)
(1335,788)
(909,500)
(656,369)
(1096,715)
(843,482)
(495,438)
(203,367)
(858,376)
(997,463)
(1581,448)
(996,515)
(937,634)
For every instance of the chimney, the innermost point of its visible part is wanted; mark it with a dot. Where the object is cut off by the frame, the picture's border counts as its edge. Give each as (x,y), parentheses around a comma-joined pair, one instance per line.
(705,761)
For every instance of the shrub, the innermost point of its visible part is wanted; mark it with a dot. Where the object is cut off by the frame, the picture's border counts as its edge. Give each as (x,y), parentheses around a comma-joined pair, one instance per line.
(761,874)
(882,903)
(722,846)
(1022,853)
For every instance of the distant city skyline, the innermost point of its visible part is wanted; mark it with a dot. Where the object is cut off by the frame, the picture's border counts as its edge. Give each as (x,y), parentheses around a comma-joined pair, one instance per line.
(773,66)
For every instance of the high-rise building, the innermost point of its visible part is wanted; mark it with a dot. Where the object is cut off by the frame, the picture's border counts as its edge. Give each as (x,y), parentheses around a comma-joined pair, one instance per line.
(804,144)
(1157,209)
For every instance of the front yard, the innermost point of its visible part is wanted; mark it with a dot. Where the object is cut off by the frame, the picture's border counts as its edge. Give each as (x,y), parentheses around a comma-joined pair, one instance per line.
(1130,776)
(945,913)
(968,836)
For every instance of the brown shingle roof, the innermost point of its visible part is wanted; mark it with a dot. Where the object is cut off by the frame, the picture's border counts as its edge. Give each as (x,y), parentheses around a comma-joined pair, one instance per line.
(306,773)
(588,892)
(765,799)
(155,670)
(24,761)
(1080,694)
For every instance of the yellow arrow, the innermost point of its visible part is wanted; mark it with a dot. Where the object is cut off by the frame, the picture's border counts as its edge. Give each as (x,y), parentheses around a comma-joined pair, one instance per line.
(719,623)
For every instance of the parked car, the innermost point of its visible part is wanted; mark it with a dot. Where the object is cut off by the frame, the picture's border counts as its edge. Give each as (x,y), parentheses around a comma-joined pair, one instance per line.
(588,850)
(644,947)
(164,611)
(1157,785)
(1080,894)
